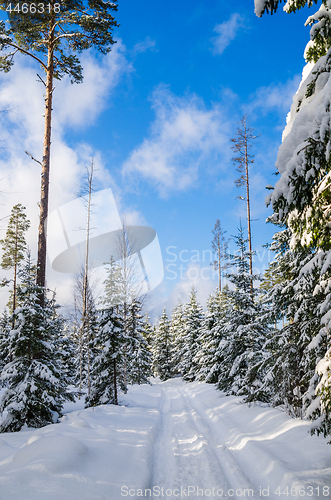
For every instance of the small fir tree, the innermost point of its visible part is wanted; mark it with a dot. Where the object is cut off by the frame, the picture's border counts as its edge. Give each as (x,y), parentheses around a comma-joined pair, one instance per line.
(109,345)
(220,246)
(212,333)
(138,354)
(162,348)
(148,332)
(193,317)
(177,328)
(106,372)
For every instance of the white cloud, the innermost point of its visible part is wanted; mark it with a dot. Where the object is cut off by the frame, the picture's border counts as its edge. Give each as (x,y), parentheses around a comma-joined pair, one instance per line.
(184,136)
(144,45)
(275,96)
(226,32)
(79,105)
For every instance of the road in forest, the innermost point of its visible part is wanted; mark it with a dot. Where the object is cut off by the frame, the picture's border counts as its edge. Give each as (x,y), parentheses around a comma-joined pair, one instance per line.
(169,440)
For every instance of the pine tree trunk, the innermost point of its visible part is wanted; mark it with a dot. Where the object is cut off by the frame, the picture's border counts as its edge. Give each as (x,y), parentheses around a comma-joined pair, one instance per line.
(41,261)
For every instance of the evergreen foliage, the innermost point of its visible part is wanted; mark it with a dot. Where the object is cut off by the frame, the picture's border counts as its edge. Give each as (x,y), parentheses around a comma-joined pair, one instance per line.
(148,332)
(240,351)
(14,246)
(190,345)
(320,33)
(138,354)
(106,372)
(35,386)
(323,391)
(295,348)
(114,285)
(220,247)
(5,328)
(212,334)
(177,329)
(83,333)
(162,348)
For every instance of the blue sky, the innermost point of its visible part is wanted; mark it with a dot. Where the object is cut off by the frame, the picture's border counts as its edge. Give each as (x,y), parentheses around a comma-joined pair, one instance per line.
(157,114)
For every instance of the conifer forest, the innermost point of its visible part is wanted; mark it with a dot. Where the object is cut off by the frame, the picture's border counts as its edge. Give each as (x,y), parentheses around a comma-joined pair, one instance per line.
(117,353)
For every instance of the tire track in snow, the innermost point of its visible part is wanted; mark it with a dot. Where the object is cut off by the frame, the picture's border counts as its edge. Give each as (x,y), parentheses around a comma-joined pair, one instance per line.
(235,475)
(186,451)
(259,450)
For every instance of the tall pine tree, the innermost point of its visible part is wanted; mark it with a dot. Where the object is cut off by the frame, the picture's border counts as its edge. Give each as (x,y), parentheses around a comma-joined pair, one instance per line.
(52,34)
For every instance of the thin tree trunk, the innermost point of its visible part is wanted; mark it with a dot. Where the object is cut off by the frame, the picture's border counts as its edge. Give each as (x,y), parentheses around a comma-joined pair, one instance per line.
(41,261)
(125,367)
(219,267)
(15,274)
(14,289)
(85,322)
(115,381)
(80,361)
(248,211)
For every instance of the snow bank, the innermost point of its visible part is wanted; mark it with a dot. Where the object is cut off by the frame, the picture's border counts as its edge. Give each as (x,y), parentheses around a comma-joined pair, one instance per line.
(89,455)
(92,453)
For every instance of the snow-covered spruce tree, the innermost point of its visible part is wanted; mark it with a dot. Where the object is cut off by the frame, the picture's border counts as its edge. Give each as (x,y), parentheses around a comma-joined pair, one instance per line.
(316,403)
(193,318)
(295,348)
(109,342)
(320,34)
(83,325)
(35,386)
(66,353)
(83,332)
(5,328)
(177,328)
(212,332)
(323,391)
(106,370)
(148,332)
(114,293)
(240,351)
(138,354)
(162,348)
(302,196)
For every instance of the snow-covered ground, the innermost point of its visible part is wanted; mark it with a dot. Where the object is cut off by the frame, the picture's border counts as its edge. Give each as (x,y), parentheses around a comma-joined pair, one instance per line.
(188,439)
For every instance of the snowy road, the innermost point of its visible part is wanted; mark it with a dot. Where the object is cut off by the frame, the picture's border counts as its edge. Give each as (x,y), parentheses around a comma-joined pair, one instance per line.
(187,452)
(169,440)
(232,450)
